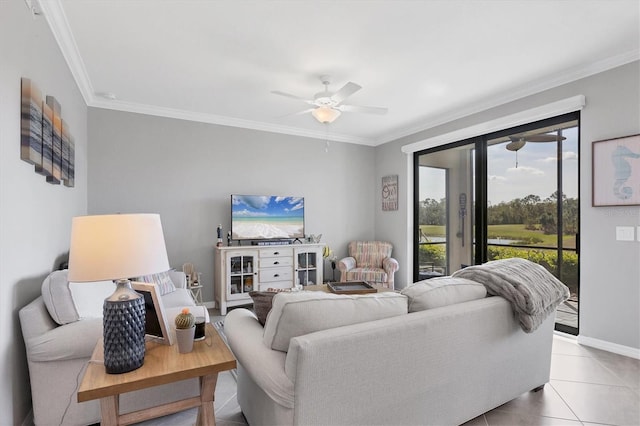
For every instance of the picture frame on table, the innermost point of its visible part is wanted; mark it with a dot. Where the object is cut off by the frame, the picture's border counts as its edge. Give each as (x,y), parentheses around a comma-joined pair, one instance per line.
(616,172)
(156,323)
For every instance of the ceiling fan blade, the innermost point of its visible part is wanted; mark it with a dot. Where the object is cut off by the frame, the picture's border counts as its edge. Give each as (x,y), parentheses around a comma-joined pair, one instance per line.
(544,138)
(289,95)
(346,91)
(516,145)
(365,109)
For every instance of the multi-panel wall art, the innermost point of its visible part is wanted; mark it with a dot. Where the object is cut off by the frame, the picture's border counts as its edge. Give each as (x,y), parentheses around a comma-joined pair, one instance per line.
(45,140)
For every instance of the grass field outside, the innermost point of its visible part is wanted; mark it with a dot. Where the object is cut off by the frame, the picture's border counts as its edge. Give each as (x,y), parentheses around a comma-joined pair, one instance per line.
(516,233)
(523,243)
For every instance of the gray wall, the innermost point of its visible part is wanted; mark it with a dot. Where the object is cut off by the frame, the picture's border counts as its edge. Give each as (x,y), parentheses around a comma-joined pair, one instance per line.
(609,269)
(35,217)
(186,171)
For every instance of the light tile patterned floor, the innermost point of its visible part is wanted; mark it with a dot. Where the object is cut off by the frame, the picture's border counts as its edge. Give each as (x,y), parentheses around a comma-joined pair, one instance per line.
(588,387)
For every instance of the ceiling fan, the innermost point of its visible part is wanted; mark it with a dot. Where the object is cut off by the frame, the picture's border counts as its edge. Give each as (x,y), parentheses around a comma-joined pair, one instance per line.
(517,142)
(327,106)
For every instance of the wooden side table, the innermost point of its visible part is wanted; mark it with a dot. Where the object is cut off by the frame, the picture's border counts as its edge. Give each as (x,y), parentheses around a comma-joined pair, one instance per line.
(162,364)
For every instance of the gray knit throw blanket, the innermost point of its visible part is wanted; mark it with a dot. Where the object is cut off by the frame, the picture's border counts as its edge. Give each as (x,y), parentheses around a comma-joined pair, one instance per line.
(533,291)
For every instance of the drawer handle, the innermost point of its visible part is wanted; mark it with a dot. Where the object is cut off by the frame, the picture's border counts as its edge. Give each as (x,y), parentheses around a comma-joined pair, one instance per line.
(276,263)
(276,275)
(276,253)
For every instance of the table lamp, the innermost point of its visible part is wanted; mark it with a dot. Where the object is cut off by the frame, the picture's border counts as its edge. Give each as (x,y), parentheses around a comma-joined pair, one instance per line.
(119,247)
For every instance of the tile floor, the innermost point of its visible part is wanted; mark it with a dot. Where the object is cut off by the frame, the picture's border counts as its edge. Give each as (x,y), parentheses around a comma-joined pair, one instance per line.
(588,387)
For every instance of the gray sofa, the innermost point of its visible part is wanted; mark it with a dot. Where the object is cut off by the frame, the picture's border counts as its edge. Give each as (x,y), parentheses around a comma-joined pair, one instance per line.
(439,360)
(58,354)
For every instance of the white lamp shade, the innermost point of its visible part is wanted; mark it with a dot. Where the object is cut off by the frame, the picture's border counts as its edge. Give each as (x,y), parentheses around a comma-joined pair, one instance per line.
(325,114)
(111,247)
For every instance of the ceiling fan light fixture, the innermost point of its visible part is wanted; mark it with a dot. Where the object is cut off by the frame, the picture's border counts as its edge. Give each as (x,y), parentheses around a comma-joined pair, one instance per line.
(325,114)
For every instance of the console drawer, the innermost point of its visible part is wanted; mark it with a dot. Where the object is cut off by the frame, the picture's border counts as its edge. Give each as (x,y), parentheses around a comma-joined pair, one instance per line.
(274,262)
(276,252)
(276,274)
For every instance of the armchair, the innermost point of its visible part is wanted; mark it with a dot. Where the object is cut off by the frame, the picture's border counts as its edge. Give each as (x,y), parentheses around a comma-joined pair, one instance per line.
(369,261)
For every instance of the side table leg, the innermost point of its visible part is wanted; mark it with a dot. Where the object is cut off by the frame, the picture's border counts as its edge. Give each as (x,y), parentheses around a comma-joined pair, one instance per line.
(206,411)
(109,410)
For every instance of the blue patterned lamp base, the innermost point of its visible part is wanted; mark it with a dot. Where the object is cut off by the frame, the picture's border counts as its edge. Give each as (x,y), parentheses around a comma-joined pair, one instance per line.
(123,333)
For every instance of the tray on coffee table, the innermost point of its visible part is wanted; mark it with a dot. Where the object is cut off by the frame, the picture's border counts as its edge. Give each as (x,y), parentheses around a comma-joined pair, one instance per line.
(351,287)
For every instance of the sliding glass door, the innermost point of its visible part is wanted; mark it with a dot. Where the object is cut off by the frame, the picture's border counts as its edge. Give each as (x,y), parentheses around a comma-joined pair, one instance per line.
(444,235)
(512,193)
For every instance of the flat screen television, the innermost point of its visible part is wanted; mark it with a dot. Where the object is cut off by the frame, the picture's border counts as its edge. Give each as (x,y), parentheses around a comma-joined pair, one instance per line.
(266,217)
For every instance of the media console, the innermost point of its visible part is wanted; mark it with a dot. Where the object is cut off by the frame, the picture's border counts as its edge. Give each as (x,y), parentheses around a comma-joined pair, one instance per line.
(242,269)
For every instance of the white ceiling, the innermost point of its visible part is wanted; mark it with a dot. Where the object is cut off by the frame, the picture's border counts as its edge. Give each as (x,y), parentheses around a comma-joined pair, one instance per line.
(430,61)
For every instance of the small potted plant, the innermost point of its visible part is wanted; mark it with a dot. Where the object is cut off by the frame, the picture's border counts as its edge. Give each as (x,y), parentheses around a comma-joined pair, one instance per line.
(185,330)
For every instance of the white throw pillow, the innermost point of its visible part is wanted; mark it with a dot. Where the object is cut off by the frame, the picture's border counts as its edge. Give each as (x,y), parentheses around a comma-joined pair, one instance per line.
(57,298)
(88,298)
(299,313)
(442,291)
(162,280)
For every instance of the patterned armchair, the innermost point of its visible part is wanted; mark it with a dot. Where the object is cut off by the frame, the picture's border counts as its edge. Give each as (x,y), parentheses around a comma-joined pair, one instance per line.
(369,261)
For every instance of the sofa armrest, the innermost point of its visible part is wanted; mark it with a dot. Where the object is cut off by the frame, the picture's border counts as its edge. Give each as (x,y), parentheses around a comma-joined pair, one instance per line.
(390,265)
(178,278)
(70,341)
(346,264)
(35,319)
(263,365)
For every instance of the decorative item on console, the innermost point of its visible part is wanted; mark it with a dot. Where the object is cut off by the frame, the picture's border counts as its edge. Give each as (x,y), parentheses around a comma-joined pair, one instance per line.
(313,238)
(219,243)
(328,254)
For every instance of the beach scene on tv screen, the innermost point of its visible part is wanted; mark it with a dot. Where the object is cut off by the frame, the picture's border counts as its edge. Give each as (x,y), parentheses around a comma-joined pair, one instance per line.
(266,217)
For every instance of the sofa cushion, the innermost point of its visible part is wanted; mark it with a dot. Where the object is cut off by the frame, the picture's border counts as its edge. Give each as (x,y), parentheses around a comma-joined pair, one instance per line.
(442,291)
(162,280)
(299,313)
(57,298)
(373,275)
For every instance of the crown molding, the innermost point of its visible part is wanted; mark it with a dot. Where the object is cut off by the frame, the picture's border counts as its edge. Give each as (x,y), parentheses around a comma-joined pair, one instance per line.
(529,89)
(224,121)
(59,25)
(57,20)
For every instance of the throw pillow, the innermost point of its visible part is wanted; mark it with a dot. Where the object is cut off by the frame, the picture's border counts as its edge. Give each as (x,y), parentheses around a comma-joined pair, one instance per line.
(57,298)
(262,301)
(442,291)
(299,313)
(162,280)
(88,298)
(262,304)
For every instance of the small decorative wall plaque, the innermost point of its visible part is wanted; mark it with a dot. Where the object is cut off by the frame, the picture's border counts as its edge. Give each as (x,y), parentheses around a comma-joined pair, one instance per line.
(390,192)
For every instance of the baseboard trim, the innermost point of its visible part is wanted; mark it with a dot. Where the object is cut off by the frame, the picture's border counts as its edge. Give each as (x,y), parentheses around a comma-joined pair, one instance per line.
(209,305)
(609,347)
